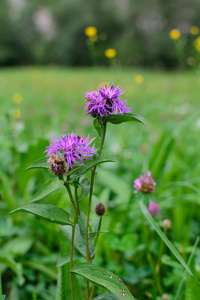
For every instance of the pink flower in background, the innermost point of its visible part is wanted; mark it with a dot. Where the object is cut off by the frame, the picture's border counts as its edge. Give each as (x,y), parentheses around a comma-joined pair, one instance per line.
(154,208)
(166,223)
(144,183)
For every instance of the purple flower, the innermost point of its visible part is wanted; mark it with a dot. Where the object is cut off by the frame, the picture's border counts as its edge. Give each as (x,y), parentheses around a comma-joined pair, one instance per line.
(154,208)
(73,147)
(144,183)
(105,101)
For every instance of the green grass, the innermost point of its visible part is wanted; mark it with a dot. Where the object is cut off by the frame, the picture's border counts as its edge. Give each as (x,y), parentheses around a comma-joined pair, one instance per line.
(53,103)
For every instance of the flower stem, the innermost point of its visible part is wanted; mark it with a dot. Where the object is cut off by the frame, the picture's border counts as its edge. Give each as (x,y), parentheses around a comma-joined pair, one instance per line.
(77,212)
(149,256)
(89,260)
(77,203)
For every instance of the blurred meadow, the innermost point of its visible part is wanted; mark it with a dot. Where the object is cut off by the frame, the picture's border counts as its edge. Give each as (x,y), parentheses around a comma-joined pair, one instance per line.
(37,103)
(50,55)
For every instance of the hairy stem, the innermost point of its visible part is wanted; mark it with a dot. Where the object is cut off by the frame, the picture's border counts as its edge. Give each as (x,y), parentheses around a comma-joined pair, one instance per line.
(77,203)
(103,126)
(77,211)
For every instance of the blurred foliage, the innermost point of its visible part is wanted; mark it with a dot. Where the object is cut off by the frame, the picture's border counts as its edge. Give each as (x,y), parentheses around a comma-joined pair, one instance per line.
(52,32)
(51,102)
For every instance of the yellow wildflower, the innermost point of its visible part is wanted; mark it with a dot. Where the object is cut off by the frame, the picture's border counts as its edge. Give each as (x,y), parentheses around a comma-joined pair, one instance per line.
(110,53)
(17,98)
(93,38)
(194,30)
(91,31)
(17,114)
(175,34)
(103,84)
(196,43)
(139,79)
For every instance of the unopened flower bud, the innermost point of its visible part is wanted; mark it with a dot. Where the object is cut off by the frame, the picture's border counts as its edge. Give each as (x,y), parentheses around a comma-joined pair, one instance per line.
(166,223)
(165,297)
(100,209)
(154,208)
(57,165)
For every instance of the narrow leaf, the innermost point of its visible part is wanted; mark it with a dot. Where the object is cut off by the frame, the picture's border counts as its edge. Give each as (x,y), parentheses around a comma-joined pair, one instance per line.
(49,187)
(177,296)
(85,186)
(105,296)
(15,267)
(118,119)
(97,126)
(103,278)
(164,238)
(47,212)
(88,165)
(39,164)
(79,241)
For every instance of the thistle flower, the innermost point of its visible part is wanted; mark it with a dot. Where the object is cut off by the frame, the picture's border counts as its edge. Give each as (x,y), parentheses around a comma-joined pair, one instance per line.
(74,148)
(144,183)
(57,165)
(154,208)
(100,209)
(105,101)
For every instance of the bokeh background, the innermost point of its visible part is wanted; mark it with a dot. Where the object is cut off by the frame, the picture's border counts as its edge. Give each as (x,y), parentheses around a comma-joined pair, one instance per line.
(52,32)
(51,52)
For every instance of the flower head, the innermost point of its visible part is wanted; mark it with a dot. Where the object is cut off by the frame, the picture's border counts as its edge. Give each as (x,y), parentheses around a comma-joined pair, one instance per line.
(144,183)
(165,297)
(105,101)
(57,165)
(73,147)
(110,53)
(175,34)
(196,43)
(166,223)
(194,30)
(91,31)
(139,79)
(154,208)
(17,98)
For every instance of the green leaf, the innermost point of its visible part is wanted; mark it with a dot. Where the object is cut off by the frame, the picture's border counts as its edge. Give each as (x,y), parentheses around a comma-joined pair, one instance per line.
(88,165)
(180,288)
(97,126)
(79,241)
(82,225)
(39,164)
(164,238)
(85,188)
(47,212)
(49,187)
(105,296)
(63,290)
(118,119)
(2,297)
(15,267)
(103,278)
(49,271)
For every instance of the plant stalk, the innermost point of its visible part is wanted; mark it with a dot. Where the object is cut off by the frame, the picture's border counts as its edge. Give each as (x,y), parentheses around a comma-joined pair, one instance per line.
(89,260)
(77,212)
